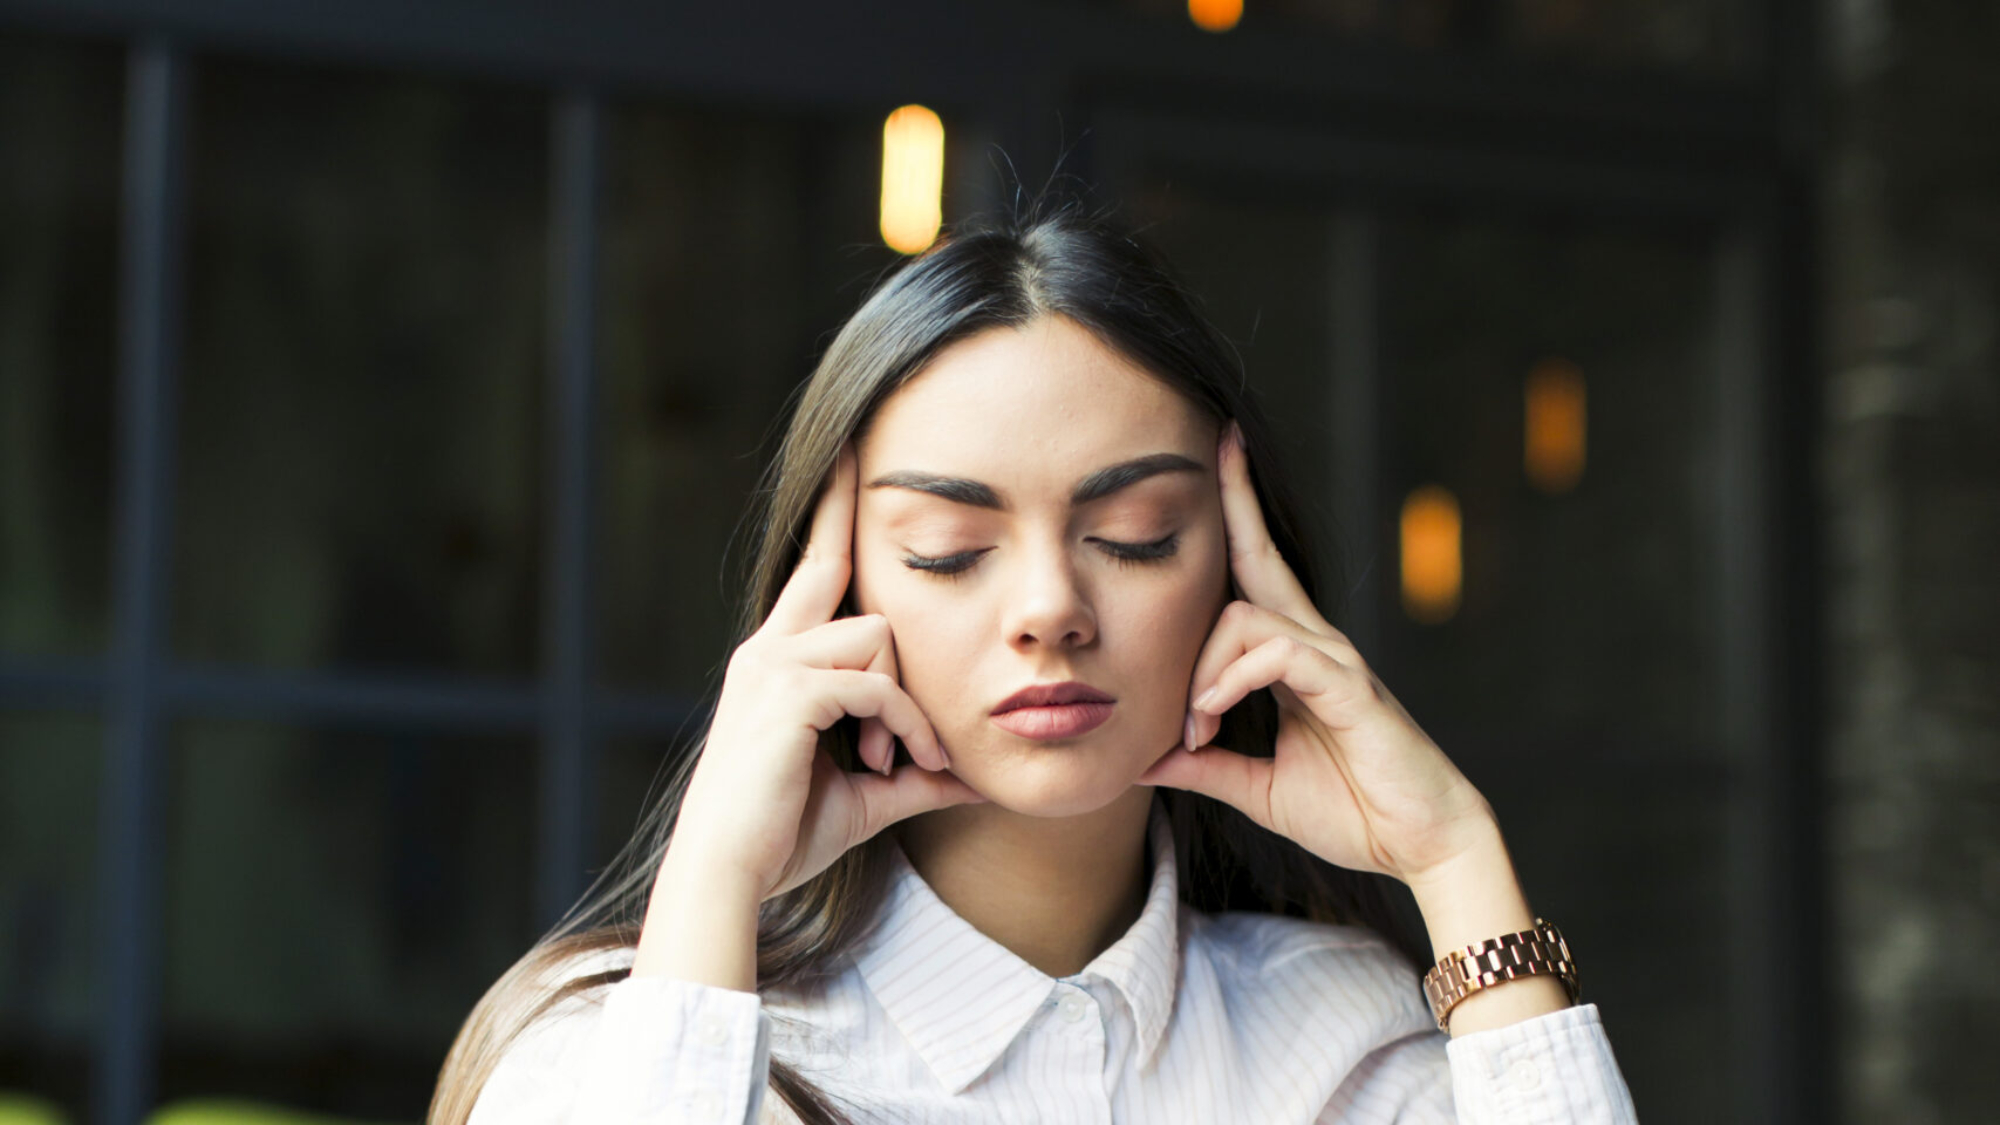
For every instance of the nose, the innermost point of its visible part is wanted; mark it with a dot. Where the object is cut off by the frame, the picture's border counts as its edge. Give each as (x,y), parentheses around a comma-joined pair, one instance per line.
(1048,604)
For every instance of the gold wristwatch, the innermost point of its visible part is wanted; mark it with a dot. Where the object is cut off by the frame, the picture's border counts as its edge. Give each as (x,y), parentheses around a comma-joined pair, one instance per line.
(1463,972)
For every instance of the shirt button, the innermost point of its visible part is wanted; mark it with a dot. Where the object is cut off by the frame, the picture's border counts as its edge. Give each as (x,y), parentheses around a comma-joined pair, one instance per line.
(704,1105)
(1073,1008)
(713,1031)
(1525,1074)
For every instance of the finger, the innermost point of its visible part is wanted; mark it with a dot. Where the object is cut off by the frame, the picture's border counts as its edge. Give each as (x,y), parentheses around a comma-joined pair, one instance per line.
(1260,571)
(1237,780)
(844,642)
(884,661)
(876,738)
(886,800)
(851,642)
(862,642)
(1240,628)
(865,643)
(813,592)
(1283,659)
(845,691)
(877,749)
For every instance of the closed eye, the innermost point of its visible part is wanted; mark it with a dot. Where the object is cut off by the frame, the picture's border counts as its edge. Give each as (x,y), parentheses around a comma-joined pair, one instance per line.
(950,566)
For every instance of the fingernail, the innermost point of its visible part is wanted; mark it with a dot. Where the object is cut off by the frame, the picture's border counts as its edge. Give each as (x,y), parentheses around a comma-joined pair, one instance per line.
(1202,699)
(1235,434)
(1187,731)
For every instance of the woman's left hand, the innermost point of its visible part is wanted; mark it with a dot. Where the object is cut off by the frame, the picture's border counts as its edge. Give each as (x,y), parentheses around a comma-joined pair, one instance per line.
(1352,779)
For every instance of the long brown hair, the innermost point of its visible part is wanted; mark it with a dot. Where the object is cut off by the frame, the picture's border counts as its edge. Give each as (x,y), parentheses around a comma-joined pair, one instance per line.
(1049,256)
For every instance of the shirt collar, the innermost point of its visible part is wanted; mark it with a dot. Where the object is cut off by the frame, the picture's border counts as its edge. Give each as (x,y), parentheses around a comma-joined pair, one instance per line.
(960,998)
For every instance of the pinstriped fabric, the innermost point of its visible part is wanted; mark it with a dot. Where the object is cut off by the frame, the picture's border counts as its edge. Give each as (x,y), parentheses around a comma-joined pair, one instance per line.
(1188,1017)
(959,998)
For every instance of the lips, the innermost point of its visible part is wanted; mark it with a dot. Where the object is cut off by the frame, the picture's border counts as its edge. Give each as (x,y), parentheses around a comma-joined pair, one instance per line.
(1052,695)
(1053,711)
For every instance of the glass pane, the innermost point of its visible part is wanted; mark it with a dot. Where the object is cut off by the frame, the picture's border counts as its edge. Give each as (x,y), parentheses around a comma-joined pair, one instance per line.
(733,246)
(60,115)
(1620,560)
(1558,383)
(1701,38)
(634,771)
(1599,766)
(336,901)
(50,773)
(1261,268)
(361,447)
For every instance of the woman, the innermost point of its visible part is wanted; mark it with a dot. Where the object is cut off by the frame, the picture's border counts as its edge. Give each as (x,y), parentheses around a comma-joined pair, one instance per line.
(1037,786)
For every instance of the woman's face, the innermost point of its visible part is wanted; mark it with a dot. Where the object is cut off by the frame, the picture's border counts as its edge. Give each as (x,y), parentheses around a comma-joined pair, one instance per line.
(1010,422)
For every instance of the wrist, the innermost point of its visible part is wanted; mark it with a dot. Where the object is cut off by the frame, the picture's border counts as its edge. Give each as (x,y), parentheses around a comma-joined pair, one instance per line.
(1471,898)
(701,925)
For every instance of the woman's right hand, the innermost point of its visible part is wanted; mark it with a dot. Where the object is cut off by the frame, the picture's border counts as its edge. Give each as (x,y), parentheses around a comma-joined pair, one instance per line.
(764,801)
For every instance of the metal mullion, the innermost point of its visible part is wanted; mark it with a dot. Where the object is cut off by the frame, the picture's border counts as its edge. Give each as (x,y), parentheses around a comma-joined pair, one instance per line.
(1772,677)
(149,350)
(1766,674)
(59,683)
(650,715)
(1742,662)
(825,57)
(568,742)
(352,699)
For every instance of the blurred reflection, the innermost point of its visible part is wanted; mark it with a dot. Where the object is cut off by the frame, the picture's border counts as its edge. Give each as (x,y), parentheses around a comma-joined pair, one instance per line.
(1575,686)
(1433,565)
(1574,681)
(1706,38)
(912,179)
(1556,425)
(1624,563)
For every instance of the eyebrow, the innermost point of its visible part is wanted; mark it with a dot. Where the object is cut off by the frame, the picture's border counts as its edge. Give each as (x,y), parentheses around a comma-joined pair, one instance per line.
(1096,486)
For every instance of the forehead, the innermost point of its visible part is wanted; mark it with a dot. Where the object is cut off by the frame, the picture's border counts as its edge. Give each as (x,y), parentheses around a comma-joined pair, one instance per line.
(1033,407)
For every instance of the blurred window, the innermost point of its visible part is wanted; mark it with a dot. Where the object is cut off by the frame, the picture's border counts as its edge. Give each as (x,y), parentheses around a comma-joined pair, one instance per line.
(1576,683)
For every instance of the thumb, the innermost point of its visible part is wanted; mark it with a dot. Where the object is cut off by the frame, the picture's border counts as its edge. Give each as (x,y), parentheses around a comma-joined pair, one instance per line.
(1237,780)
(912,789)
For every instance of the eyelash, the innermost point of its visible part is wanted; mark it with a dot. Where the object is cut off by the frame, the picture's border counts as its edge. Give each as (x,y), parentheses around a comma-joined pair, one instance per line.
(1124,554)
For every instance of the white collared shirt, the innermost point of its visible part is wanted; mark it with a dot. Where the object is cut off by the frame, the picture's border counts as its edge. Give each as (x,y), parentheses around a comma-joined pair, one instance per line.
(1231,1017)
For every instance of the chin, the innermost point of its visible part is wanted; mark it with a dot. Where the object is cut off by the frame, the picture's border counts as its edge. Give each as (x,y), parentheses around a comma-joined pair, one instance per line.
(1036,779)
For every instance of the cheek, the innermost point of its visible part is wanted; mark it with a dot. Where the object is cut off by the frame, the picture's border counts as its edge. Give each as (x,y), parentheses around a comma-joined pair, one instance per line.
(1169,624)
(1199,598)
(934,639)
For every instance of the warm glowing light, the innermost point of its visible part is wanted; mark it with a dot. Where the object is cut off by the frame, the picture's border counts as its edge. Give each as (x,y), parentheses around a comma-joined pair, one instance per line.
(912,178)
(1215,15)
(1555,424)
(1432,567)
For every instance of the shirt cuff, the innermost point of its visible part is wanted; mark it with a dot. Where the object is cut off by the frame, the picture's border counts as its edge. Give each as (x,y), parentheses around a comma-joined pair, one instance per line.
(673,1050)
(1552,1069)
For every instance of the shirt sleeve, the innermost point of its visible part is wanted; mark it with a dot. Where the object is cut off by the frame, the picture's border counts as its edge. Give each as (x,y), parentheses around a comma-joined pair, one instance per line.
(651,1050)
(1553,1069)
